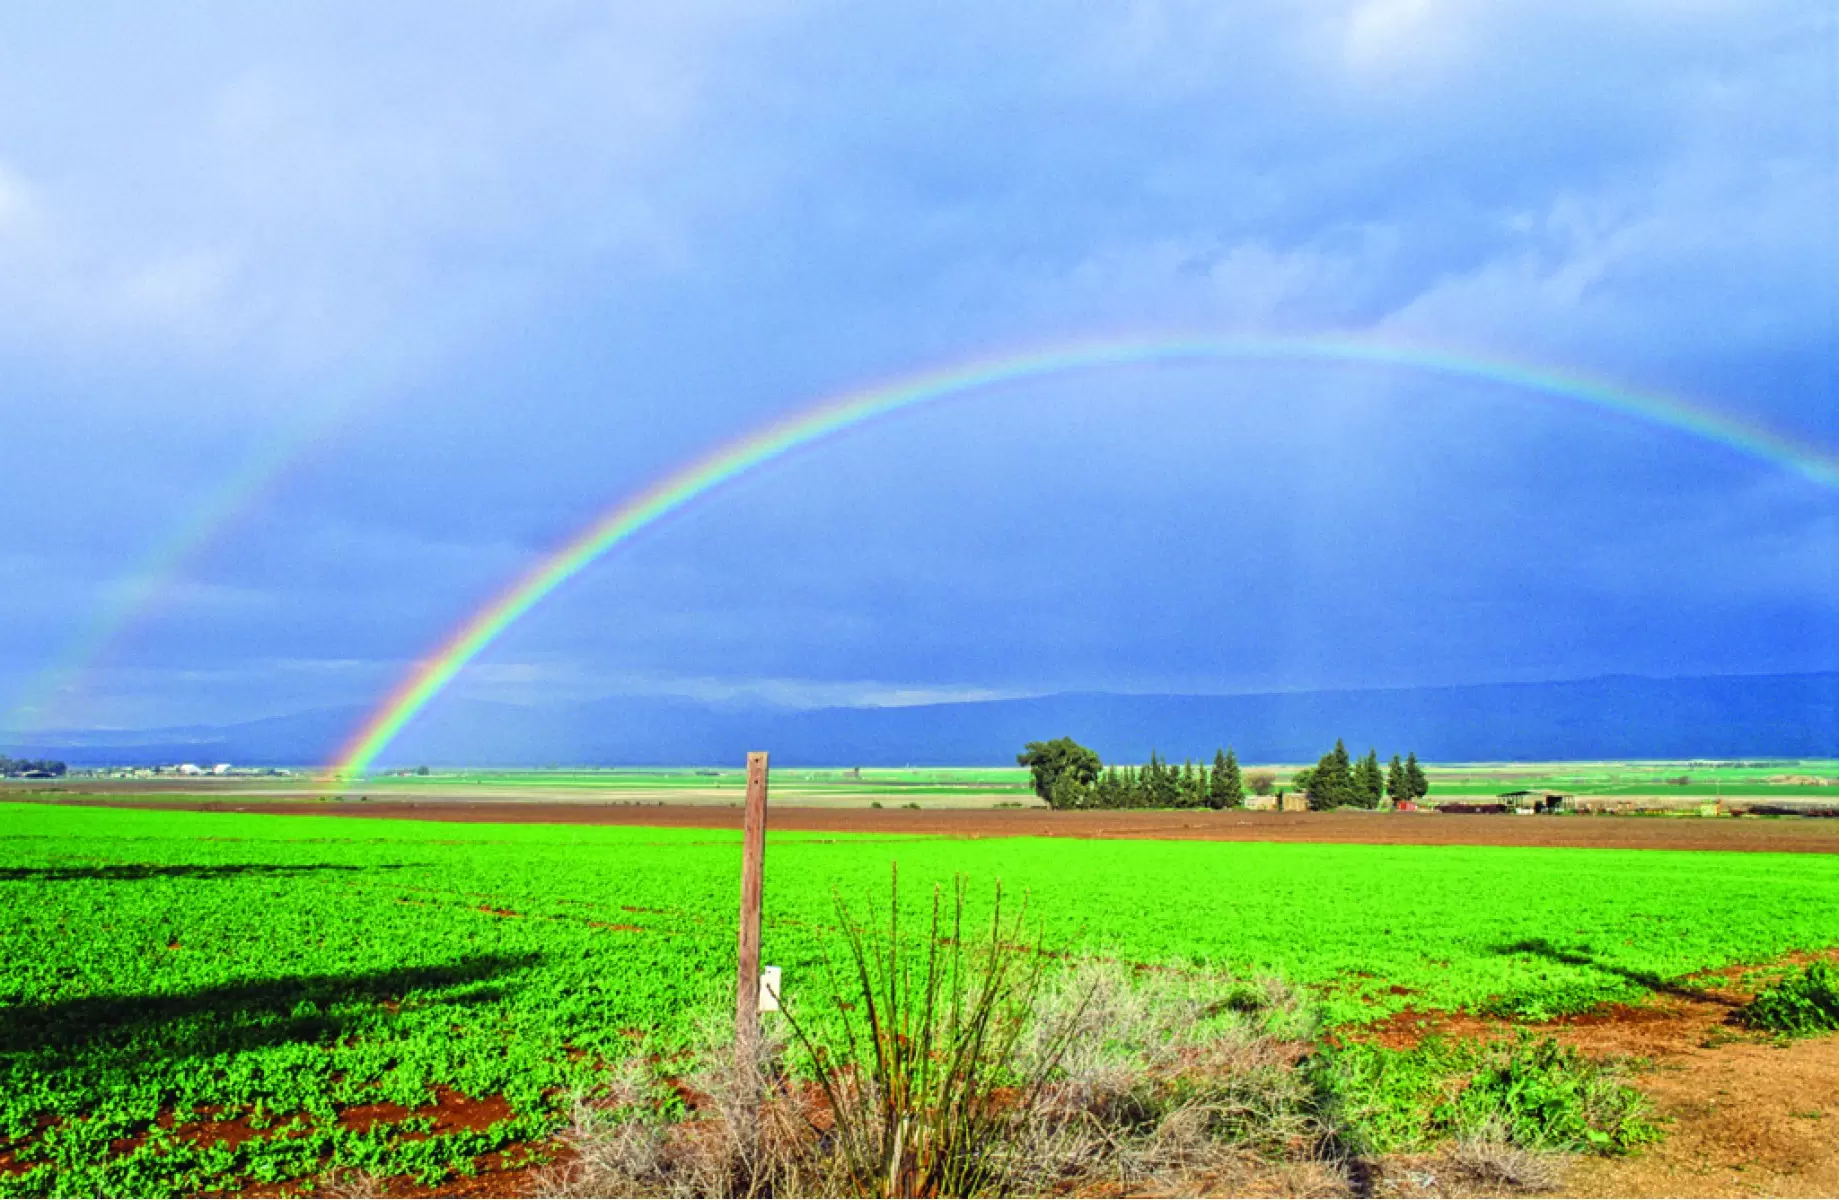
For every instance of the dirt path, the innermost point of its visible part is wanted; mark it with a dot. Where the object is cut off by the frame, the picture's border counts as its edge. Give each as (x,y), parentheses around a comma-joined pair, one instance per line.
(1744,1114)
(1790,834)
(1748,1118)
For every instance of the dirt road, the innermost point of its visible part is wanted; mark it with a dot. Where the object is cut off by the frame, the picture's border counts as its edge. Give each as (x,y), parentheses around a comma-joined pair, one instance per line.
(1787,834)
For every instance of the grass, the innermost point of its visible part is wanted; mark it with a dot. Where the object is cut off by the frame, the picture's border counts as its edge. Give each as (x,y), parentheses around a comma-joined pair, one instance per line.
(1528,1093)
(164,969)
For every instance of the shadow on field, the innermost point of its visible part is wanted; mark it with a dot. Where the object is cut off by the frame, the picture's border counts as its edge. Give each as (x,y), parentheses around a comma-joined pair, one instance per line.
(115,871)
(313,1009)
(1646,979)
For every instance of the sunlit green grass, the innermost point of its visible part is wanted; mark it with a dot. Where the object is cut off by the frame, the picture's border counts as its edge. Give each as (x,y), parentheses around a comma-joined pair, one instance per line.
(156,962)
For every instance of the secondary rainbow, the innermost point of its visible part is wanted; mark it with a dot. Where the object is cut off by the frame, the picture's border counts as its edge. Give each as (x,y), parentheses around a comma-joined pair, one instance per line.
(700,477)
(158,570)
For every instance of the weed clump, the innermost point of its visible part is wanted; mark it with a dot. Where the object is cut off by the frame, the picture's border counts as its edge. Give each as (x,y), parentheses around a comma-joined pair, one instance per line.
(1799,1006)
(923,1067)
(1532,1094)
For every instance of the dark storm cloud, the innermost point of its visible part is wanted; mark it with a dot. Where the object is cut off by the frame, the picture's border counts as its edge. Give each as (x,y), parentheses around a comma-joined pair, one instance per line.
(512,265)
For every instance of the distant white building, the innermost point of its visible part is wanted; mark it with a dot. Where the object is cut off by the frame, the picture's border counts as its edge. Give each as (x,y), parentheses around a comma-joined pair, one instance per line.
(221,769)
(190,769)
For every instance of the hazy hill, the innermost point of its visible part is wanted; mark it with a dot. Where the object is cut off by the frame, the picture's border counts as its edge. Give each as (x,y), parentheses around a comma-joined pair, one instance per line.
(1611,717)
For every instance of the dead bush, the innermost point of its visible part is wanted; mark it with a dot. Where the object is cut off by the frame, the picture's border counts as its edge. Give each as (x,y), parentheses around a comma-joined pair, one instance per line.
(1173,1076)
(1174,1081)
(1489,1161)
(353,1185)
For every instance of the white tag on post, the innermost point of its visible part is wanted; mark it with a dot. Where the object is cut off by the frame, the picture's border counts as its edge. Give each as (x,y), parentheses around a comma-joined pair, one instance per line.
(769,989)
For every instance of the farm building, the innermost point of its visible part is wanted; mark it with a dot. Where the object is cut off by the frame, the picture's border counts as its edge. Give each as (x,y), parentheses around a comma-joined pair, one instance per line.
(1544,802)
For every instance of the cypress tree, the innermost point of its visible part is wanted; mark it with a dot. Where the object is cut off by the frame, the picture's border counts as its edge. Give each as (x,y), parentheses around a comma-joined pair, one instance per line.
(1414,776)
(1397,786)
(1164,783)
(1368,781)
(1331,784)
(1227,788)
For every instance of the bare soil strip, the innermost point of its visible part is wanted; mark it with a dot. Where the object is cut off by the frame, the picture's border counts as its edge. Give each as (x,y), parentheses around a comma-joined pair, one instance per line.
(1784,834)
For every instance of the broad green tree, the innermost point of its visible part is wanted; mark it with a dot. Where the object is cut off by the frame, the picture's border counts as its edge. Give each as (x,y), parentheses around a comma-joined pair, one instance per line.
(1069,792)
(1048,761)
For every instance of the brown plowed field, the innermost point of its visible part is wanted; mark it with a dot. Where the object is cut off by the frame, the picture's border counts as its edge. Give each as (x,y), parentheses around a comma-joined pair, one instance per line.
(1790,834)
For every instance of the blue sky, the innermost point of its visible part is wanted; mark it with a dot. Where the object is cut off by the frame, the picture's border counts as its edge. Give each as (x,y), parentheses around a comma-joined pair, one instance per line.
(471,273)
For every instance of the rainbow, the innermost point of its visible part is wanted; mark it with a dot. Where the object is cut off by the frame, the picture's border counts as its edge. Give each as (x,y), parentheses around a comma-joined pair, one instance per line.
(700,477)
(155,570)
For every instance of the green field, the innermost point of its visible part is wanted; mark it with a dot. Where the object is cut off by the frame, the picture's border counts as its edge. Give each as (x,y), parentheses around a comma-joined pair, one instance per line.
(164,968)
(976,787)
(1742,778)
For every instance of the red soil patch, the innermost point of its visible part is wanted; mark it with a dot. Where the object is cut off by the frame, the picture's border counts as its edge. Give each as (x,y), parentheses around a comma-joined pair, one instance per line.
(452,1113)
(1370,828)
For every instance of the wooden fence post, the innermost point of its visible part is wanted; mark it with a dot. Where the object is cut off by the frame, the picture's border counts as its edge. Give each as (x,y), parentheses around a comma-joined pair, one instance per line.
(753,859)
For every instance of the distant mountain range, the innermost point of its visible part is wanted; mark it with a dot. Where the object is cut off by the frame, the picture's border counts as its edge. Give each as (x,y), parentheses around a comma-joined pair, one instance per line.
(1621,716)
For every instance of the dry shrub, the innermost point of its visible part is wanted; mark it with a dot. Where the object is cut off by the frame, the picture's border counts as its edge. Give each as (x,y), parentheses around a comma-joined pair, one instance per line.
(1173,1079)
(751,1135)
(1182,1083)
(1488,1161)
(352,1184)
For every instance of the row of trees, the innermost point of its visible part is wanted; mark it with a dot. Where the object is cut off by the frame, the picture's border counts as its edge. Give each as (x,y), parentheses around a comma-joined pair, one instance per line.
(1068,775)
(1158,784)
(1336,781)
(14,767)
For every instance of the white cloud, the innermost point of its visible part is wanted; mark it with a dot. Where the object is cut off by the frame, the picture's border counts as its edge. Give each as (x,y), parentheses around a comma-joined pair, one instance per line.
(1401,42)
(294,193)
(1713,258)
(555,680)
